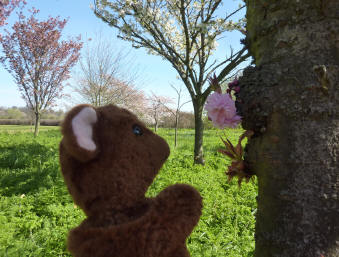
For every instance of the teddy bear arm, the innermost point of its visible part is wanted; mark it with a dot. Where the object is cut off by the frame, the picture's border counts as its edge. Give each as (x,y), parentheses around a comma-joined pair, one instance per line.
(86,243)
(166,243)
(101,242)
(180,252)
(180,206)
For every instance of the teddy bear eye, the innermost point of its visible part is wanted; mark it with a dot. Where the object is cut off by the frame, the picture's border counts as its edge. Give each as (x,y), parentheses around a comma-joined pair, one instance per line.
(137,130)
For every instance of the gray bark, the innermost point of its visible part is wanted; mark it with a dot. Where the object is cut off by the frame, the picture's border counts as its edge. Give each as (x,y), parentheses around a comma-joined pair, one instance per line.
(198,105)
(290,99)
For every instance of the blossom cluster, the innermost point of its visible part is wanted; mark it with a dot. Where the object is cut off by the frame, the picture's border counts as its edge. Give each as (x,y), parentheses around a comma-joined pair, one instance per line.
(6,7)
(171,20)
(221,108)
(222,112)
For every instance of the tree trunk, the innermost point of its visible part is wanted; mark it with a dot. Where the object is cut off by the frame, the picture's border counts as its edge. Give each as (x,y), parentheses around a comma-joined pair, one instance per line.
(198,104)
(290,100)
(156,126)
(37,124)
(176,128)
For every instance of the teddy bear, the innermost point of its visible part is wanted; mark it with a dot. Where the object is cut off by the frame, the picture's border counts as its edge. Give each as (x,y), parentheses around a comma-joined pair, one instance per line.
(108,159)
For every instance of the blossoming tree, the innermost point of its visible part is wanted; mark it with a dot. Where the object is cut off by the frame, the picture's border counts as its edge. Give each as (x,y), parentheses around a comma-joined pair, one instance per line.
(6,8)
(108,76)
(184,33)
(290,99)
(157,108)
(38,61)
(289,102)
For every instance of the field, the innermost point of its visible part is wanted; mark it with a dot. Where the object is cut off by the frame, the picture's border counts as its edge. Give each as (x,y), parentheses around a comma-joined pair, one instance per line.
(18,128)
(36,210)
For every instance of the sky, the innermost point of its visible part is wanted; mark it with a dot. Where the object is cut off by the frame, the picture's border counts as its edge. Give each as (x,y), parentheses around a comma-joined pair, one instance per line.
(157,74)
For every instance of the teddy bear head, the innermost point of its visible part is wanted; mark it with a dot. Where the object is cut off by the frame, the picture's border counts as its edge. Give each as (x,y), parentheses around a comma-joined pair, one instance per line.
(108,157)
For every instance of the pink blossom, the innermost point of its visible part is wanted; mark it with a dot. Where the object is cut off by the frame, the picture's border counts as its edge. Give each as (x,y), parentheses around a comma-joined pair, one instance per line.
(37,57)
(6,7)
(221,110)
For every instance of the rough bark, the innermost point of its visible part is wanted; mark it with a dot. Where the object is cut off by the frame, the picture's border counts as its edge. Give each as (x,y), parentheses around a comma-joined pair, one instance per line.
(198,105)
(291,100)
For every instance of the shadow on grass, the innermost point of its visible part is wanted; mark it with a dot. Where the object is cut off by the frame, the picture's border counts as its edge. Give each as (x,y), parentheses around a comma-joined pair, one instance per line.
(28,168)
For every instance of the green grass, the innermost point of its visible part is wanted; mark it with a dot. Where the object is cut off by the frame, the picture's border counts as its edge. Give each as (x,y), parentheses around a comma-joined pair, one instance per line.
(36,211)
(23,128)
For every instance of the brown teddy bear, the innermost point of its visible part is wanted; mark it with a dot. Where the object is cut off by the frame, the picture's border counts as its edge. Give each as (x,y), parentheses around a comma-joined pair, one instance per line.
(108,159)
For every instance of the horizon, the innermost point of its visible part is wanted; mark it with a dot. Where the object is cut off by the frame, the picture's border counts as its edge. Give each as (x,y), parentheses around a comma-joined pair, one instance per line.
(154,70)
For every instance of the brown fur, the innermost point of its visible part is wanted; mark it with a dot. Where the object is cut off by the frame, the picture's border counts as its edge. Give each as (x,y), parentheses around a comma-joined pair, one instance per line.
(110,183)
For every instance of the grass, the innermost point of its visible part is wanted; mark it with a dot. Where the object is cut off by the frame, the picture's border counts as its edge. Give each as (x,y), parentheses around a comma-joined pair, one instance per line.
(36,211)
(23,128)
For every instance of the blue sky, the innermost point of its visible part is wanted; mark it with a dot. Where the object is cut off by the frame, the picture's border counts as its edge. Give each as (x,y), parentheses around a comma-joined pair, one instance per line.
(158,73)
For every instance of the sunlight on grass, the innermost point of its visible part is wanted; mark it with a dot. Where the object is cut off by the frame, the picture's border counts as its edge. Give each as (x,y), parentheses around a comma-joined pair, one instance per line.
(23,128)
(36,210)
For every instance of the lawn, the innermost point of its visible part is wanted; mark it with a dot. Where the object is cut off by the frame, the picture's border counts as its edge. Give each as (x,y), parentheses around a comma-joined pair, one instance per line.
(23,128)
(36,210)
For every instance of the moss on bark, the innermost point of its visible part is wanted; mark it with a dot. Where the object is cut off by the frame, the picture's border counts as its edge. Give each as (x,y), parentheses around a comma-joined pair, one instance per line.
(291,100)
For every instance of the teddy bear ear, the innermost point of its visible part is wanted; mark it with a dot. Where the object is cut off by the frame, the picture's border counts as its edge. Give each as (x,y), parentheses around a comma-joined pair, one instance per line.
(78,131)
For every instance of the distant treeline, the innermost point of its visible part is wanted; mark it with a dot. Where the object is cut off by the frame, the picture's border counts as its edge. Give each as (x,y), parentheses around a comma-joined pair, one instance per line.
(24,116)
(29,122)
(23,113)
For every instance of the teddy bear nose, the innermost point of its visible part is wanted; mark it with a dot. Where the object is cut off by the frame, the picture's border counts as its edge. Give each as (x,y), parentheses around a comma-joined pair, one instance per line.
(164,150)
(167,151)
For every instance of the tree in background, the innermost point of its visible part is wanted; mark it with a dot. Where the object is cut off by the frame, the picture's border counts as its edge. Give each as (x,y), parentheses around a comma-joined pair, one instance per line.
(108,76)
(38,61)
(176,113)
(183,32)
(6,8)
(158,108)
(186,120)
(290,100)
(112,91)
